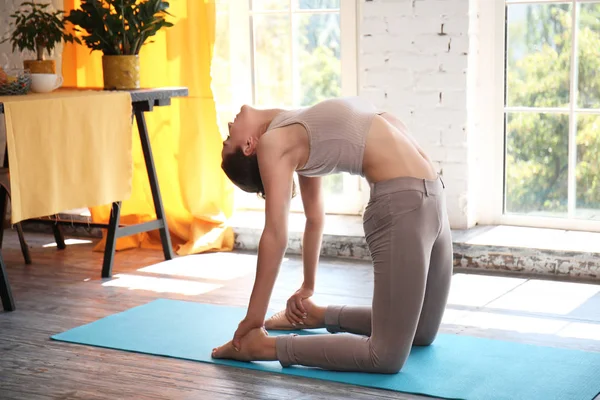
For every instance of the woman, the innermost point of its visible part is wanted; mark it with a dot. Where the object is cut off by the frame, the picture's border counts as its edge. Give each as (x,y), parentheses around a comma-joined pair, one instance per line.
(405,223)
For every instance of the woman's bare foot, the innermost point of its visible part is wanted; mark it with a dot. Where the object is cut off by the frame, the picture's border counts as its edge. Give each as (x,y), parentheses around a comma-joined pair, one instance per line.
(315,318)
(257,345)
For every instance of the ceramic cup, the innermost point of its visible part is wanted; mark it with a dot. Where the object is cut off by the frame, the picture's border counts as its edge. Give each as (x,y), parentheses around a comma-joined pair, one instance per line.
(44,83)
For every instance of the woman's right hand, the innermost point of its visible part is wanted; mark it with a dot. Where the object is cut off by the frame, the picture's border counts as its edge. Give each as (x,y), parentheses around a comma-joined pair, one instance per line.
(295,311)
(246,325)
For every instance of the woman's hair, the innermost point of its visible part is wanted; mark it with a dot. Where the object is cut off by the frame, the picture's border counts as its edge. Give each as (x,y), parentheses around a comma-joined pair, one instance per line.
(243,171)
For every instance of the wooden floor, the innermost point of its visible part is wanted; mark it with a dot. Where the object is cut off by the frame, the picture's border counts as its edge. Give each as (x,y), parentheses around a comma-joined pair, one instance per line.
(63,289)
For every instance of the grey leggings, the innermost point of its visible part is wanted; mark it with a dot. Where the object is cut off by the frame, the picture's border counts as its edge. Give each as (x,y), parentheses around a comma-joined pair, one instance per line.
(408,234)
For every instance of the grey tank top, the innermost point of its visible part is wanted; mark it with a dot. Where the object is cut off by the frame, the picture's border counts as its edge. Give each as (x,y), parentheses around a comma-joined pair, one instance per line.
(337,130)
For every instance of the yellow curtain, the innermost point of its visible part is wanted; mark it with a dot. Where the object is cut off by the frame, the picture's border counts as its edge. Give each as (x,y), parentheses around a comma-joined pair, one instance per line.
(185,140)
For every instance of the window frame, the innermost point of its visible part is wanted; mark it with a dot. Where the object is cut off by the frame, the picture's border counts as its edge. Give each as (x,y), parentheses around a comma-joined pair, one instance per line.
(352,200)
(492,144)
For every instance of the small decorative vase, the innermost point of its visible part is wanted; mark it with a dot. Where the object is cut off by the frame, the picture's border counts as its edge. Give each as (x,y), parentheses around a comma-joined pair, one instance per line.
(40,67)
(121,72)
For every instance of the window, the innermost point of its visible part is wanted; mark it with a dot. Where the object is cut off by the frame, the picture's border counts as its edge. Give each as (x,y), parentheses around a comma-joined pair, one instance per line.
(552,113)
(286,54)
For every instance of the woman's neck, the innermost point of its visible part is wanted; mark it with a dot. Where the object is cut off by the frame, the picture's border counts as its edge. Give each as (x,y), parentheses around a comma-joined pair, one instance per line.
(267,117)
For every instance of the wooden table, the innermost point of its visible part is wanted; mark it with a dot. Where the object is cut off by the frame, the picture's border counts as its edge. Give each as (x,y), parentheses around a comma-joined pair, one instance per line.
(143,100)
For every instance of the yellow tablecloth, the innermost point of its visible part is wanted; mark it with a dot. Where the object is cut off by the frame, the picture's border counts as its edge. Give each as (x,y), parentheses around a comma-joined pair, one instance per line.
(67,149)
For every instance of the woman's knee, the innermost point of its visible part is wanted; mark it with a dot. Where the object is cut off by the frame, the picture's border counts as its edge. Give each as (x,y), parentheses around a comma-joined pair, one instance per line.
(391,361)
(424,339)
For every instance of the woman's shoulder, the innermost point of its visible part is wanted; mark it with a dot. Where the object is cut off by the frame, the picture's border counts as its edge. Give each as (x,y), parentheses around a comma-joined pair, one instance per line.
(274,141)
(280,144)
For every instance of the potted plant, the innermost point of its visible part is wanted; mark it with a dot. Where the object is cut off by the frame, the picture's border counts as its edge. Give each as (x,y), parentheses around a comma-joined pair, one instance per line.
(119,29)
(38,30)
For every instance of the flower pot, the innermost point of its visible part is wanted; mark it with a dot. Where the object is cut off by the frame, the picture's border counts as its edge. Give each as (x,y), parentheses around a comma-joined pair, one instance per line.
(40,67)
(121,72)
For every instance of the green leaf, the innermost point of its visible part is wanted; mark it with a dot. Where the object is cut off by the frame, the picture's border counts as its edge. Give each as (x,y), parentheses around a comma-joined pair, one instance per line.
(119,26)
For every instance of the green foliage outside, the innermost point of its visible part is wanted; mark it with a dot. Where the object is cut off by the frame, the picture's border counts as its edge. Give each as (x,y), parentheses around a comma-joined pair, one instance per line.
(538,64)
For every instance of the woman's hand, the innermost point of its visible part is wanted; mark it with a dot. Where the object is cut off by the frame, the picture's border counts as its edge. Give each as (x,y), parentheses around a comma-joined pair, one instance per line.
(245,326)
(295,311)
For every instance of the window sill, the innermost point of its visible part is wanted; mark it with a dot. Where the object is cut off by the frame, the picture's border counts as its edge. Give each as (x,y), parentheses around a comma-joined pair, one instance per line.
(339,225)
(499,236)
(505,250)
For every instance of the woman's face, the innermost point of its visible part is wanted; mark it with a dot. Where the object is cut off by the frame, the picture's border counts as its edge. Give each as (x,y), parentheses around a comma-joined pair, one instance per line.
(241,130)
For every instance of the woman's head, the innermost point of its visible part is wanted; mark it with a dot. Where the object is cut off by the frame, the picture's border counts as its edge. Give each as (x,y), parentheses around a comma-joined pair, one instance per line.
(239,161)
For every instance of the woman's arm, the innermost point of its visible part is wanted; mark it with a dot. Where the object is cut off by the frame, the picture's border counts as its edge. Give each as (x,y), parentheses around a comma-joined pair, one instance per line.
(312,200)
(314,209)
(276,171)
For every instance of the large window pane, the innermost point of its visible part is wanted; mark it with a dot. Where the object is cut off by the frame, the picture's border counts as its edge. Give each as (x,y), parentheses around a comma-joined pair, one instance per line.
(589,55)
(538,55)
(333,184)
(588,167)
(221,63)
(221,66)
(537,164)
(271,5)
(318,66)
(273,72)
(317,4)
(317,57)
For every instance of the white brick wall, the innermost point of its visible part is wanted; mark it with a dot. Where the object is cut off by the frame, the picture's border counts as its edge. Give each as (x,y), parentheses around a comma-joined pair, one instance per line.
(413,59)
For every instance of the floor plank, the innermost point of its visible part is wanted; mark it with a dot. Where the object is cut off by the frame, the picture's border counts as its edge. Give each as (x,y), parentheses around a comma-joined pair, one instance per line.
(63,289)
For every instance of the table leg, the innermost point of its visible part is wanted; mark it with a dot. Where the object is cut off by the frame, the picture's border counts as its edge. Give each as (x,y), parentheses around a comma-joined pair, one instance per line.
(156,197)
(23,243)
(111,240)
(3,204)
(4,197)
(58,237)
(5,293)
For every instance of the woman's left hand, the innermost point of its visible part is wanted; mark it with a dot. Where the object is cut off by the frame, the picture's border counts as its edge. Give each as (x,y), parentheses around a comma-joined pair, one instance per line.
(295,311)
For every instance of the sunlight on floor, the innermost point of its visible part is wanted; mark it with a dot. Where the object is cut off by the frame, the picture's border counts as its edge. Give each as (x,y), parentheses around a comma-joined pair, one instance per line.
(452,316)
(513,323)
(581,331)
(69,242)
(528,325)
(161,285)
(494,303)
(214,266)
(479,290)
(559,298)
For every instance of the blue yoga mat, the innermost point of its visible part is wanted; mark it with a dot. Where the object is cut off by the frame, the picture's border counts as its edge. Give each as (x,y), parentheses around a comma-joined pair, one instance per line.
(454,367)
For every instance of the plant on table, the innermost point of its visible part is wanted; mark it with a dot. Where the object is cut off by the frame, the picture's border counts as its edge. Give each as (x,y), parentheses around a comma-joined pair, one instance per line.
(39,30)
(119,29)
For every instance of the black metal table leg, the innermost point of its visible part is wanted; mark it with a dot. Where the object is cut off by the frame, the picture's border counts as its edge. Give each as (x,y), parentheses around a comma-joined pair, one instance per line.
(156,197)
(3,204)
(8,302)
(58,237)
(23,243)
(111,240)
(3,196)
